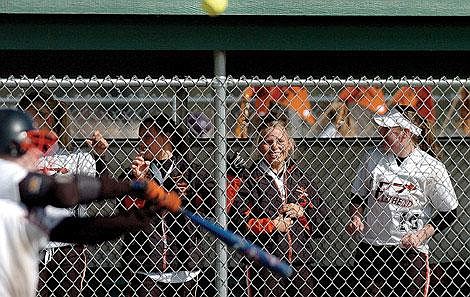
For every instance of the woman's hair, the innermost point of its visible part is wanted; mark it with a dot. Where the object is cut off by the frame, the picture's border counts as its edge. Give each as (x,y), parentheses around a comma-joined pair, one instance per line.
(165,124)
(61,119)
(427,141)
(268,123)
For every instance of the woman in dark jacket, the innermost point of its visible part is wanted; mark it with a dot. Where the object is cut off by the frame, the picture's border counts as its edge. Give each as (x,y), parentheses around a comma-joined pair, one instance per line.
(165,260)
(278,207)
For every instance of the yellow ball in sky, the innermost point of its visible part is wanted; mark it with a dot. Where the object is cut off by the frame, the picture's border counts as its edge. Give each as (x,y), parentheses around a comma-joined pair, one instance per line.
(214,7)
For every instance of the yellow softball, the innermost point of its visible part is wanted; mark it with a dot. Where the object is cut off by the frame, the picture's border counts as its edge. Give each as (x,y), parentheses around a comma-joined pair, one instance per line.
(214,7)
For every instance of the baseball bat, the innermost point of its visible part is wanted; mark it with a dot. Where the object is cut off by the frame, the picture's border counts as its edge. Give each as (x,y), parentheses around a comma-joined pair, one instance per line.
(172,202)
(242,245)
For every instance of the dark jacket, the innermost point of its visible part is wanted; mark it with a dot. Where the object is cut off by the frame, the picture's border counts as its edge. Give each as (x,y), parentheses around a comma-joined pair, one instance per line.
(174,242)
(258,202)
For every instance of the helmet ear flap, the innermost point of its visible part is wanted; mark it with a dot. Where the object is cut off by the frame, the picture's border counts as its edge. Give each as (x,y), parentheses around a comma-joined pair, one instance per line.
(15,150)
(23,143)
(20,144)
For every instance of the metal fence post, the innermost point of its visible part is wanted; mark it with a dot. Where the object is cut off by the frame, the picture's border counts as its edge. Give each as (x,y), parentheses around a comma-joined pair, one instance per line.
(220,152)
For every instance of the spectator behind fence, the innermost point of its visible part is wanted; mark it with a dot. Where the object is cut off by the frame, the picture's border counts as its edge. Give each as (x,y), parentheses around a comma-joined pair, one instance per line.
(279,208)
(351,113)
(401,197)
(25,226)
(267,101)
(64,265)
(464,111)
(167,260)
(419,98)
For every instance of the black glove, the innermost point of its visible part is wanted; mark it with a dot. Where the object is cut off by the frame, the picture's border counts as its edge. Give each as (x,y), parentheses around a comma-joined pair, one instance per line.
(235,164)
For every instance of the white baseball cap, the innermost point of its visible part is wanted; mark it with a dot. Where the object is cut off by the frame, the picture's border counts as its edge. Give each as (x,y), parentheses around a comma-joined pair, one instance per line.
(396,119)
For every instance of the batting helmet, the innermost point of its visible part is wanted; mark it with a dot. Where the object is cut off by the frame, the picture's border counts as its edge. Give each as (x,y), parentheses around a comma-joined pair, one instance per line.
(18,134)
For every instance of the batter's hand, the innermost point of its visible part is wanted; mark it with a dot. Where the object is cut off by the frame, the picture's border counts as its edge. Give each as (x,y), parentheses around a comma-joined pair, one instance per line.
(139,167)
(282,224)
(292,210)
(355,225)
(163,198)
(98,144)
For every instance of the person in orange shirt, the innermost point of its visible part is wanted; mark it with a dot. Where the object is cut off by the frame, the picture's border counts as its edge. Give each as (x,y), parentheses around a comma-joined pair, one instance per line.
(420,98)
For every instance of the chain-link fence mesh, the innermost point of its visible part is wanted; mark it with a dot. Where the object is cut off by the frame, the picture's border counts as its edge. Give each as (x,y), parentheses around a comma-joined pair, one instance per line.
(331,123)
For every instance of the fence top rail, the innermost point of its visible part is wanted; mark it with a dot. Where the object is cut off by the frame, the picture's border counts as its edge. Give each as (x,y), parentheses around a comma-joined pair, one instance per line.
(227,81)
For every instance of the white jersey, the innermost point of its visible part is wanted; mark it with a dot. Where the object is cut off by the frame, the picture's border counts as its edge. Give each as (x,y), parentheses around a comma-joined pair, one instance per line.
(401,199)
(22,234)
(65,163)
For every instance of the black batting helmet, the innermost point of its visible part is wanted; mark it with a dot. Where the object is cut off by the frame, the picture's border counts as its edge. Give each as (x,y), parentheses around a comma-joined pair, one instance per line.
(13,131)
(17,134)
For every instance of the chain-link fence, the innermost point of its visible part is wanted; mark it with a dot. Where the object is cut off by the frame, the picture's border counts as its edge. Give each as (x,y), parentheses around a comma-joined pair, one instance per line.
(331,123)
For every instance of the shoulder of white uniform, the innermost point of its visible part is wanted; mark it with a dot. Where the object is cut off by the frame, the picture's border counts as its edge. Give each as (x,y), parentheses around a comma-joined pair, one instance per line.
(429,161)
(13,168)
(66,156)
(426,157)
(82,152)
(77,155)
(77,162)
(10,164)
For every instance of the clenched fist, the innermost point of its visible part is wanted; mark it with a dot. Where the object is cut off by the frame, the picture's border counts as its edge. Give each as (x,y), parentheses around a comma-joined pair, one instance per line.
(292,210)
(282,224)
(415,239)
(355,225)
(98,144)
(140,167)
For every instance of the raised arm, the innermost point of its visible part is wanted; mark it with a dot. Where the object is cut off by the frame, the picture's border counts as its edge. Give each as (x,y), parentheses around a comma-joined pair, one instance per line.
(38,190)
(93,230)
